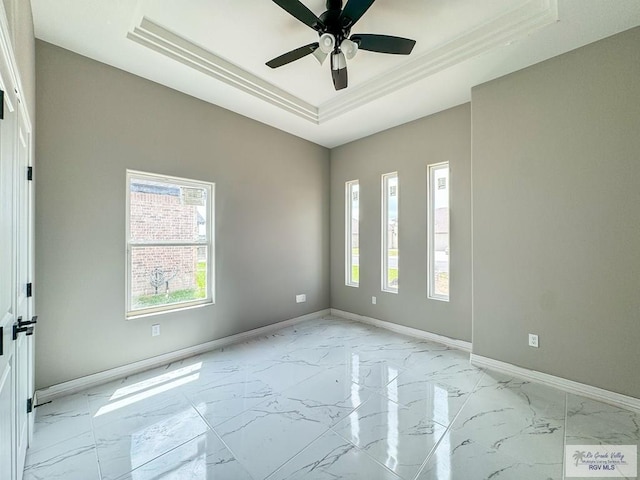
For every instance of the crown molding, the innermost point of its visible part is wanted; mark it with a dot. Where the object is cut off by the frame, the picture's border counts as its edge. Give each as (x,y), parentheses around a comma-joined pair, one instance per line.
(151,35)
(502,30)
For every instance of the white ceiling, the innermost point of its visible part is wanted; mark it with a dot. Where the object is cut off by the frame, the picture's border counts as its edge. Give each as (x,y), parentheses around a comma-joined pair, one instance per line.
(216,50)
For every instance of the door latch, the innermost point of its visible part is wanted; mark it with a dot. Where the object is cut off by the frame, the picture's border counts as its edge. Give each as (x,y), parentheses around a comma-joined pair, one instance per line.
(33,320)
(18,328)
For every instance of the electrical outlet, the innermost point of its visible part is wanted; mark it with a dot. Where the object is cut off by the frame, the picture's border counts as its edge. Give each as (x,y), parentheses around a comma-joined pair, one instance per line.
(533,340)
(155,330)
(301,298)
(373,300)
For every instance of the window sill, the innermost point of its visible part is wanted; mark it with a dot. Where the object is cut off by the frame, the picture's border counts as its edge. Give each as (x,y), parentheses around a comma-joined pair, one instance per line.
(136,316)
(439,299)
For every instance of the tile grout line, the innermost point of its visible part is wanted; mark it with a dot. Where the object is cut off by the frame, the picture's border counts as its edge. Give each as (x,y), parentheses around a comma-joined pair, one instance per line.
(564,443)
(93,435)
(296,455)
(446,432)
(331,429)
(150,460)
(360,407)
(213,430)
(433,449)
(375,460)
(378,391)
(156,458)
(219,436)
(57,442)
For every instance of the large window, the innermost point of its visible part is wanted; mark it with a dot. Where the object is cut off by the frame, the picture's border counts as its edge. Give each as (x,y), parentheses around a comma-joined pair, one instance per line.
(352,229)
(169,243)
(390,250)
(439,231)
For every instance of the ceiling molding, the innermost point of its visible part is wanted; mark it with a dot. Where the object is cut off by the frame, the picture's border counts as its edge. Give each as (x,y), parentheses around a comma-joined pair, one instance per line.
(513,25)
(151,35)
(503,30)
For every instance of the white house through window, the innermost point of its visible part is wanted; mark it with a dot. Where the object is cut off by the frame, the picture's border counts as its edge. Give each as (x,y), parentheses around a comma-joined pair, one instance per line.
(439,253)
(390,247)
(352,237)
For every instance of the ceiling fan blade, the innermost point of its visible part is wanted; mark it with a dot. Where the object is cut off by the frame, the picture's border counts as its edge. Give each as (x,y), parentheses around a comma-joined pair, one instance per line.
(383,43)
(353,10)
(293,55)
(301,12)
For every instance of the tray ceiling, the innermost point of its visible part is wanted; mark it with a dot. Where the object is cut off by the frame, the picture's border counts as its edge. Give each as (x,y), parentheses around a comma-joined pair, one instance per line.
(216,50)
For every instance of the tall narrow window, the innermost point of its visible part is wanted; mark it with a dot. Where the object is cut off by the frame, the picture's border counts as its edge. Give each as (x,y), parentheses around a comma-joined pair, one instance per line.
(352,229)
(169,243)
(439,231)
(390,251)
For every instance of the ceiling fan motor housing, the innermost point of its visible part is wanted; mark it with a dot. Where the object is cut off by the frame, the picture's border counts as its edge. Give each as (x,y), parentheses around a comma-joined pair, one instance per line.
(331,20)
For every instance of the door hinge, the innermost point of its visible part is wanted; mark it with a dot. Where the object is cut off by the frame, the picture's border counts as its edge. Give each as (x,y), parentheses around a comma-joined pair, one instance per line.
(1,104)
(29,289)
(29,173)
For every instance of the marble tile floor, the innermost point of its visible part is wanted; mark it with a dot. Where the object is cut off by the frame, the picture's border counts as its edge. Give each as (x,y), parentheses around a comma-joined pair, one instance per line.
(325,399)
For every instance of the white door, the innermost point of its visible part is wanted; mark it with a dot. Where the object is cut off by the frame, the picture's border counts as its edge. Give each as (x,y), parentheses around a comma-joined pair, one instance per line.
(24,332)
(8,452)
(16,272)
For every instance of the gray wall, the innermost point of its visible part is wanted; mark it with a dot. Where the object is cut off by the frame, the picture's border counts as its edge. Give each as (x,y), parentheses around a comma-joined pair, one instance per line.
(555,216)
(556,178)
(407,149)
(272,213)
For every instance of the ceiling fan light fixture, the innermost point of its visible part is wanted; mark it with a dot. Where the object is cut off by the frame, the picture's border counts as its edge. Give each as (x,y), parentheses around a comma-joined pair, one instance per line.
(327,43)
(338,61)
(349,48)
(320,56)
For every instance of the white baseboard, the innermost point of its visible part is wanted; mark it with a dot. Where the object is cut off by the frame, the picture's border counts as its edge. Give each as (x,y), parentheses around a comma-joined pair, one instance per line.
(589,391)
(412,332)
(73,386)
(582,389)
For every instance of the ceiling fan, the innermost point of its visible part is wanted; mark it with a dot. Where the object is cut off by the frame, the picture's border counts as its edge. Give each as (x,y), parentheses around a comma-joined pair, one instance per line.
(334,28)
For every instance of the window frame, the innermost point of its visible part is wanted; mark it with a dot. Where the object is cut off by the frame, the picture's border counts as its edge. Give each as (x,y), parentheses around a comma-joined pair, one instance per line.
(385,287)
(431,240)
(349,281)
(209,243)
